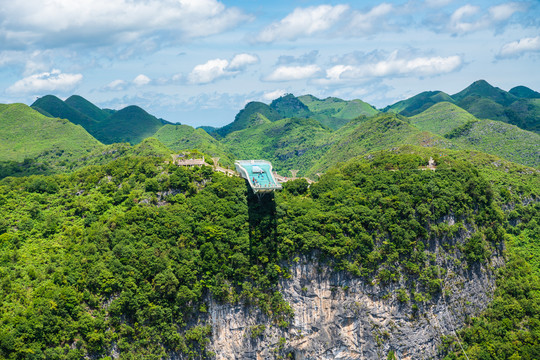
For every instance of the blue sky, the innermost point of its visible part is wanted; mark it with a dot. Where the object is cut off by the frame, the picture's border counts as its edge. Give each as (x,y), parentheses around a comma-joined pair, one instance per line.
(199,62)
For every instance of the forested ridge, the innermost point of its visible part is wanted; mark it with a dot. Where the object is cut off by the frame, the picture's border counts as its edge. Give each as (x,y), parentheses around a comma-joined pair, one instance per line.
(121,259)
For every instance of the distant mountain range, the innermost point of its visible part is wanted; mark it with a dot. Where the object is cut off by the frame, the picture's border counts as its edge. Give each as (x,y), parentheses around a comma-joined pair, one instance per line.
(302,133)
(131,124)
(520,106)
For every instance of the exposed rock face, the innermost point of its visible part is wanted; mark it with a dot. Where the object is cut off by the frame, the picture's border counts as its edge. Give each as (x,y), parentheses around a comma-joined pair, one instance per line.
(340,316)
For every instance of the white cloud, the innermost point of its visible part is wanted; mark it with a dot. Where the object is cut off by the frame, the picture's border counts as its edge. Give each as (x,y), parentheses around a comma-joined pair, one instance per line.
(46,81)
(208,72)
(518,48)
(101,22)
(240,61)
(116,85)
(288,73)
(393,66)
(303,22)
(367,22)
(437,3)
(269,96)
(141,80)
(216,69)
(465,18)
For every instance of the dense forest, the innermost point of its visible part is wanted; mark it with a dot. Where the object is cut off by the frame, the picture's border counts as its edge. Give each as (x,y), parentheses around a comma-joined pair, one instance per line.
(121,259)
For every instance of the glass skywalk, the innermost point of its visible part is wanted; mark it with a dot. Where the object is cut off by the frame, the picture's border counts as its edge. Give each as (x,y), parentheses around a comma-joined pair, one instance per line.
(259,175)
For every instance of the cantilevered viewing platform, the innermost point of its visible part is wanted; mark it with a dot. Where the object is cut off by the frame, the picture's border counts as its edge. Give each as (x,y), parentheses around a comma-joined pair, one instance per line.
(259,175)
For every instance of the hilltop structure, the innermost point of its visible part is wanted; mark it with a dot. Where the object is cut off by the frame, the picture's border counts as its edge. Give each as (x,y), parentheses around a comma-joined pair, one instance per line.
(259,175)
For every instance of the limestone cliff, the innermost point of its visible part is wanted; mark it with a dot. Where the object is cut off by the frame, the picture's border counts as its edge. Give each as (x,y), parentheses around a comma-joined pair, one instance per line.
(339,316)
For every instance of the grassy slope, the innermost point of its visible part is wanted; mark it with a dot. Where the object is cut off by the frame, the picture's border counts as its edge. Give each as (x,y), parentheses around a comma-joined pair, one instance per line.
(334,112)
(483,89)
(289,106)
(131,124)
(524,92)
(494,137)
(25,133)
(418,103)
(504,140)
(525,113)
(86,107)
(57,108)
(249,115)
(383,131)
(442,118)
(184,137)
(288,143)
(337,107)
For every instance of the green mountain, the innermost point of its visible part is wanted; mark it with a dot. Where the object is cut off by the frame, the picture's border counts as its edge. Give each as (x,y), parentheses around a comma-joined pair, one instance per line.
(27,134)
(381,132)
(289,106)
(184,137)
(253,113)
(128,259)
(524,92)
(525,113)
(131,124)
(482,89)
(442,118)
(484,101)
(87,108)
(294,143)
(468,132)
(418,103)
(50,104)
(334,112)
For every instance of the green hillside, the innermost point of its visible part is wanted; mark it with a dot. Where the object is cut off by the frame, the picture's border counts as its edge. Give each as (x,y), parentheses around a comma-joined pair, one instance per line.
(468,132)
(483,89)
(253,113)
(418,103)
(54,106)
(287,143)
(131,124)
(122,259)
(483,108)
(87,108)
(525,113)
(337,108)
(289,106)
(442,118)
(184,137)
(27,134)
(383,131)
(524,92)
(501,139)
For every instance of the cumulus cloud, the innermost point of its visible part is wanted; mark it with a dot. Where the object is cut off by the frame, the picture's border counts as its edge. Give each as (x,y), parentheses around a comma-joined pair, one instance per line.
(289,73)
(141,80)
(469,18)
(393,66)
(365,23)
(116,85)
(216,69)
(241,61)
(307,58)
(519,47)
(303,22)
(208,72)
(111,21)
(272,95)
(46,81)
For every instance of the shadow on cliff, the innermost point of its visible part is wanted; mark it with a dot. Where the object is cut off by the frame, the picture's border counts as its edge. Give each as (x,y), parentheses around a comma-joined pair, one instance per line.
(262,227)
